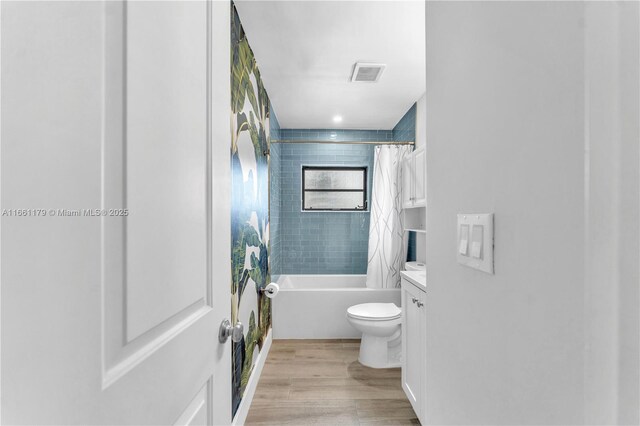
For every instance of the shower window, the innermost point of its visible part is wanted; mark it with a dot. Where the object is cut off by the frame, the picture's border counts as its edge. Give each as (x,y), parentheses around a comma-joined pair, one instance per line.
(334,188)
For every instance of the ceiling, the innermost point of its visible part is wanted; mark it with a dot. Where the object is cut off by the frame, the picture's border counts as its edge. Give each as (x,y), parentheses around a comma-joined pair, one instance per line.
(306,51)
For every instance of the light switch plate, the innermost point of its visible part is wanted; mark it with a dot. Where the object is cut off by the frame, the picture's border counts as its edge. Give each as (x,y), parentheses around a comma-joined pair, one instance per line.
(480,256)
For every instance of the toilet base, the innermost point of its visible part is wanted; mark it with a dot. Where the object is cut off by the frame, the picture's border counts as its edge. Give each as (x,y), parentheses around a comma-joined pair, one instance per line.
(380,352)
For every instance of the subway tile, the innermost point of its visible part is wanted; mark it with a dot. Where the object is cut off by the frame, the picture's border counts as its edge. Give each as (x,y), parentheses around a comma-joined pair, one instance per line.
(316,242)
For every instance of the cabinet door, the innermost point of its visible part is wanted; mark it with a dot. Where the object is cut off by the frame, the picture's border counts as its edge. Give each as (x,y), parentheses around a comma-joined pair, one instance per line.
(407,182)
(413,345)
(419,179)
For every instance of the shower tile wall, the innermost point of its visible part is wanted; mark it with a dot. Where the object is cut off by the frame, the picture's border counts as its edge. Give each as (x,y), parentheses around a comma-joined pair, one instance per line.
(319,242)
(322,242)
(405,129)
(339,135)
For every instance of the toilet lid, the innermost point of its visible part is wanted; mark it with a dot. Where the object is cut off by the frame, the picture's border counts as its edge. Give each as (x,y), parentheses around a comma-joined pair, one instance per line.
(374,311)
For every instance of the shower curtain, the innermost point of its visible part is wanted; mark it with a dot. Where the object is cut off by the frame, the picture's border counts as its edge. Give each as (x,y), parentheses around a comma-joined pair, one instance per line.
(387,239)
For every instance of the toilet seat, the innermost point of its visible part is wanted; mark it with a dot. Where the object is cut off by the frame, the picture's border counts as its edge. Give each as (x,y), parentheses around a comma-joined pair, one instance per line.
(375,311)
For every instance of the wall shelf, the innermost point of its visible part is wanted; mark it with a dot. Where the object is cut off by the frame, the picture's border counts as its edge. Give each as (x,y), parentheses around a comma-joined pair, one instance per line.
(415,230)
(415,219)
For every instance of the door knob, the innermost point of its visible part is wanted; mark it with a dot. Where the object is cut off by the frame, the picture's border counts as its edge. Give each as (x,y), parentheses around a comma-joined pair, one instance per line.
(420,304)
(227,330)
(414,300)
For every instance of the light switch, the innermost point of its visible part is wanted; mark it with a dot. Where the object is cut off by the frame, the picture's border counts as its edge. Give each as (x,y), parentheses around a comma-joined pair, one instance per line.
(475,241)
(476,249)
(464,240)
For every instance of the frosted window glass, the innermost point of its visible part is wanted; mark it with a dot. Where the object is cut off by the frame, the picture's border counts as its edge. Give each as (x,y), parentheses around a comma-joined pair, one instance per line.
(315,200)
(334,179)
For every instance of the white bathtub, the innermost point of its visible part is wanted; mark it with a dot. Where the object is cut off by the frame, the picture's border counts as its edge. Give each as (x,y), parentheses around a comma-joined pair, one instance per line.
(315,306)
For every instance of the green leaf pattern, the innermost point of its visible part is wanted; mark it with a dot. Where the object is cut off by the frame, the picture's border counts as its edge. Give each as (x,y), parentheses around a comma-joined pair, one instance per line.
(249,204)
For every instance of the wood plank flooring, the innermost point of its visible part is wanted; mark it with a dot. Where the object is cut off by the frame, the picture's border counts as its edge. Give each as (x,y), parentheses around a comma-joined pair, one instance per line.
(321,382)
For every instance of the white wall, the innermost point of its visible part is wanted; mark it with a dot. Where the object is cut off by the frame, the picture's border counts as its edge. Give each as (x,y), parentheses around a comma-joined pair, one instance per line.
(508,121)
(421,122)
(628,398)
(611,213)
(421,141)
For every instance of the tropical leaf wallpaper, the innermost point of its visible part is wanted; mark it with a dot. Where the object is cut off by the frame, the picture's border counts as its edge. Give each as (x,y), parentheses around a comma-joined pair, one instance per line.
(249,207)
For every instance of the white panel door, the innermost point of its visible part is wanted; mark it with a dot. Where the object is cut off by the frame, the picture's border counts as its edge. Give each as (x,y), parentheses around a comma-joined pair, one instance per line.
(116,133)
(166,161)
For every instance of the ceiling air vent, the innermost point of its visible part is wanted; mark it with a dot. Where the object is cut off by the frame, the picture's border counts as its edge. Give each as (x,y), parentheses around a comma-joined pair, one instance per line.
(367,72)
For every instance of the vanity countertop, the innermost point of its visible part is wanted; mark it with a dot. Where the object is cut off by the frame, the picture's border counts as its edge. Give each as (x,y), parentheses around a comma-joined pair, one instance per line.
(419,278)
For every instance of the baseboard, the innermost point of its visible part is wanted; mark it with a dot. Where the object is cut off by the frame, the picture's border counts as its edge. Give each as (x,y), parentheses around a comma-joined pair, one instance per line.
(250,390)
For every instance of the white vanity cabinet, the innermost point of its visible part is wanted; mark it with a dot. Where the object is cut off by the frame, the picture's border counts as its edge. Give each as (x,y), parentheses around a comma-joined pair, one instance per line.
(414,192)
(414,343)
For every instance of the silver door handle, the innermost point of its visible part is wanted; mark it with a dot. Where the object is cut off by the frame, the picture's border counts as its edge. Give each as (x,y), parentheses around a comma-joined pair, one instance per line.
(227,330)
(414,300)
(420,304)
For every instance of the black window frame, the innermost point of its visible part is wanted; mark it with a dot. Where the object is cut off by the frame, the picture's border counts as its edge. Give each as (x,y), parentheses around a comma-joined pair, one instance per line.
(364,190)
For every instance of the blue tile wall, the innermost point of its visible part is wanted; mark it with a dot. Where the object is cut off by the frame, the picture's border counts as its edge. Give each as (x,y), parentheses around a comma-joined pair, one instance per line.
(275,170)
(274,124)
(320,242)
(338,135)
(411,250)
(404,131)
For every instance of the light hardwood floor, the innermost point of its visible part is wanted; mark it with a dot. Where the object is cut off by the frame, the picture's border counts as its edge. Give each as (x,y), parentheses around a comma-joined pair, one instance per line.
(321,382)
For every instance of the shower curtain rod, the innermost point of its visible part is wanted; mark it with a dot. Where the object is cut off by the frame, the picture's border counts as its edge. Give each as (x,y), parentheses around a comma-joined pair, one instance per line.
(345,142)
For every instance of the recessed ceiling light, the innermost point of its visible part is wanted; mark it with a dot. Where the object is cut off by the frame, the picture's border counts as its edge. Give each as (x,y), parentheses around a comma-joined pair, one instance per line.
(337,119)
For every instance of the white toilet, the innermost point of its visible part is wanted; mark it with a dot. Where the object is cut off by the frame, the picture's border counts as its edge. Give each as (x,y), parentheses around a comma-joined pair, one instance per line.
(381,337)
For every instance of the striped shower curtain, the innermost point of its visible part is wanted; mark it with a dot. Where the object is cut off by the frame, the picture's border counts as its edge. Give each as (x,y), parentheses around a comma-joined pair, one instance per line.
(387,240)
